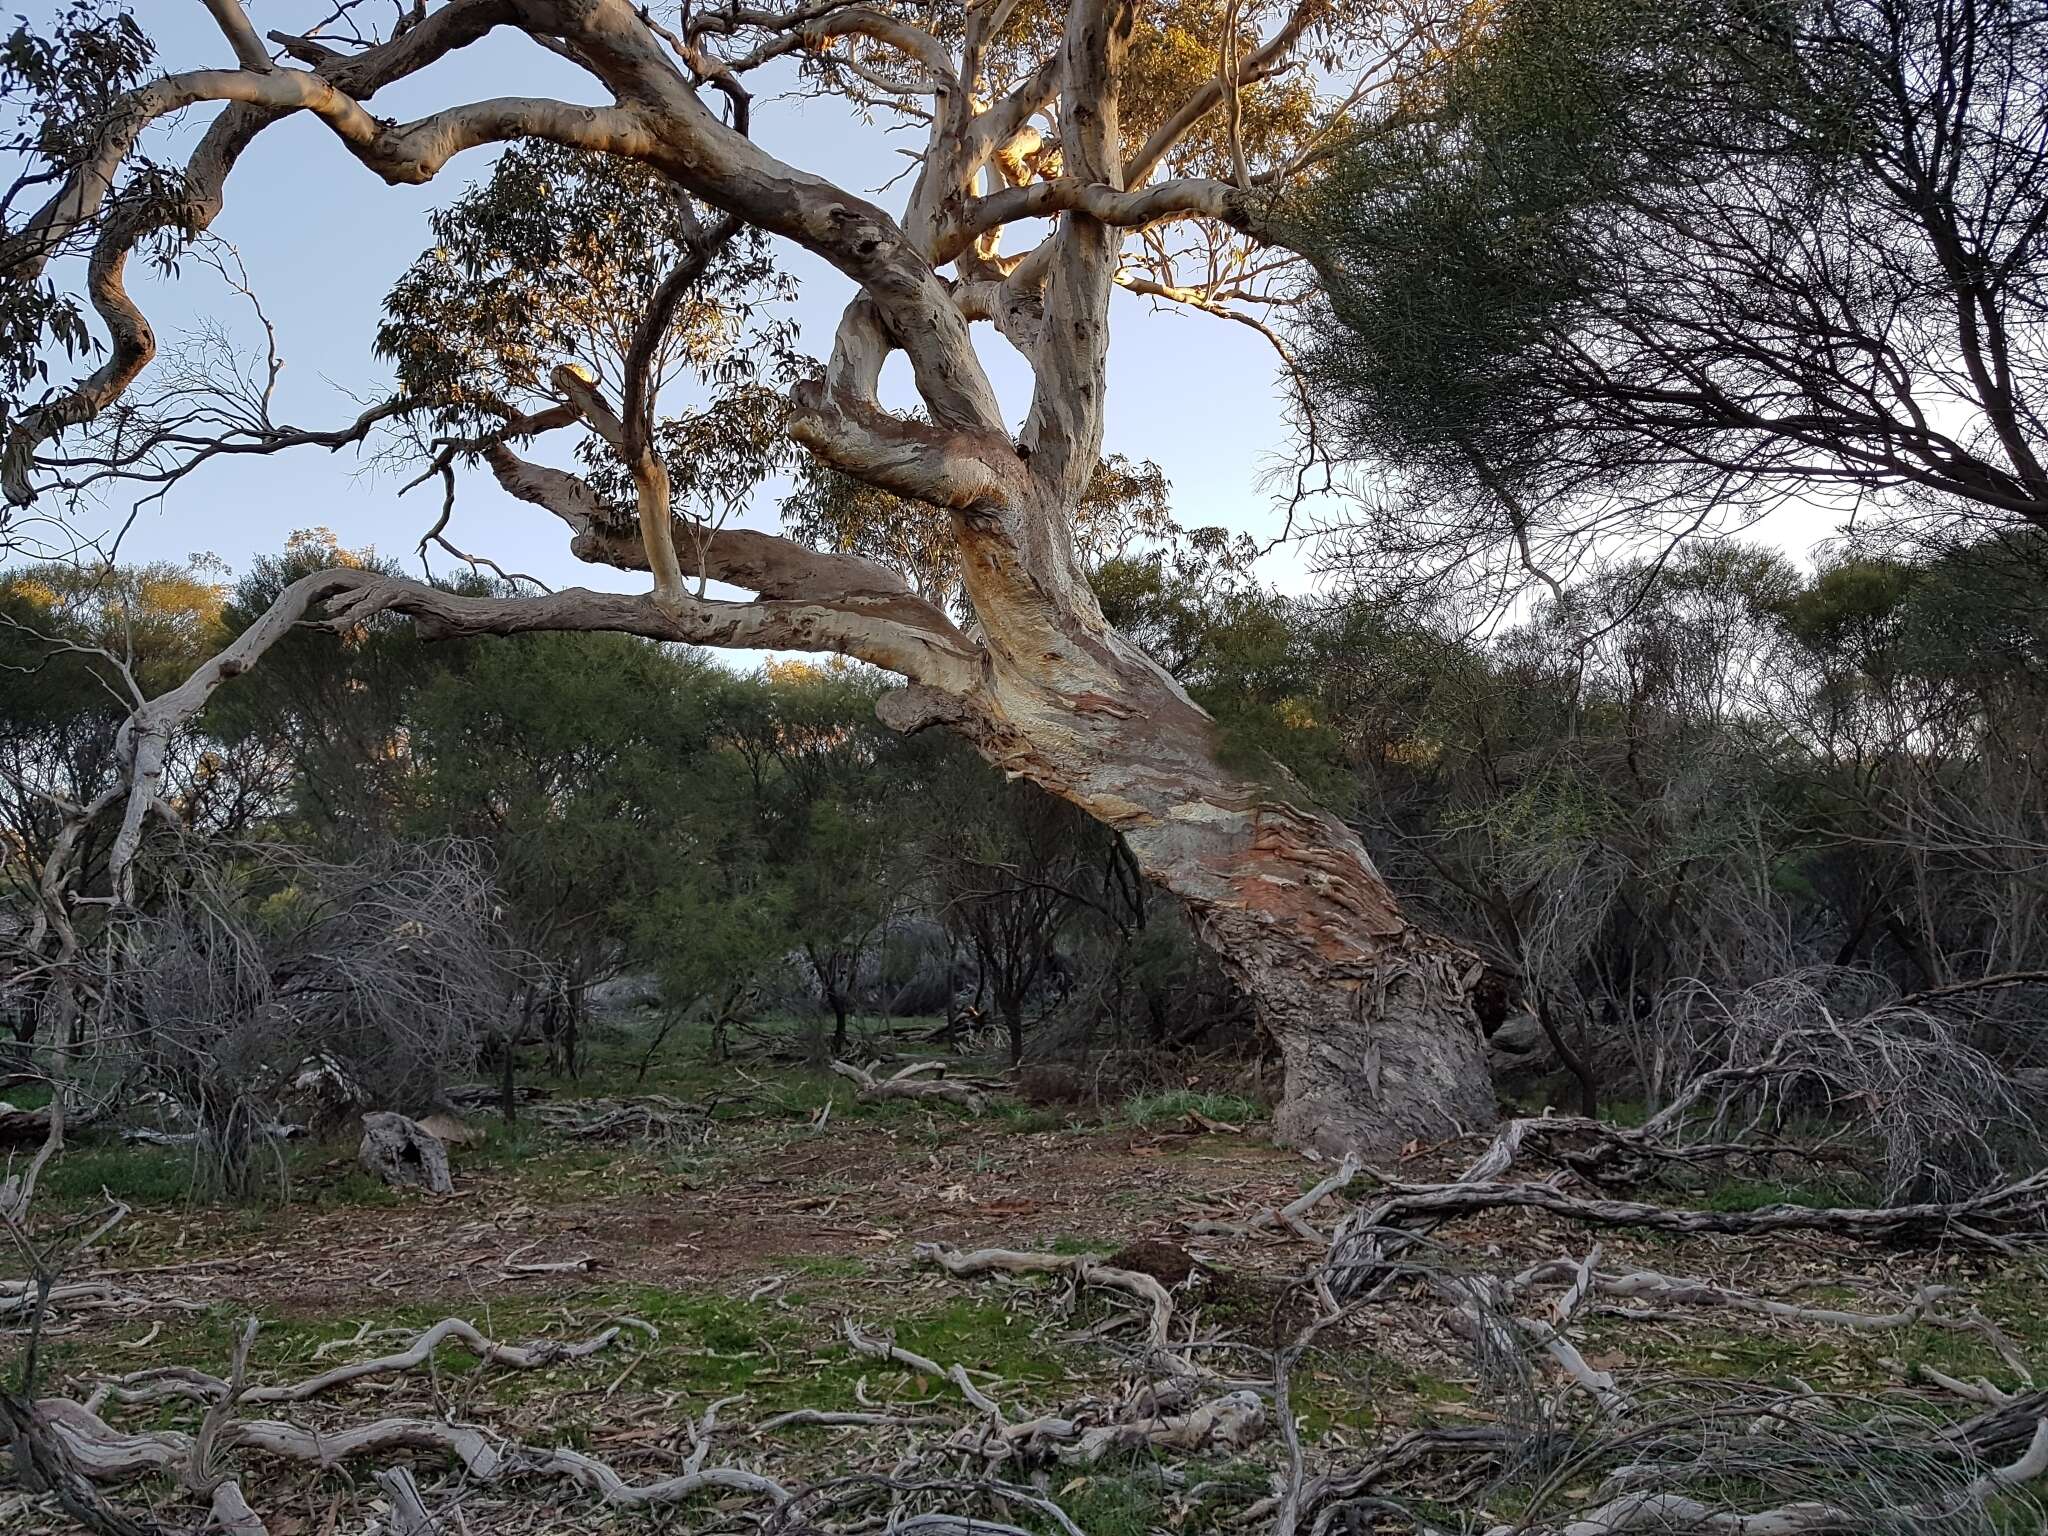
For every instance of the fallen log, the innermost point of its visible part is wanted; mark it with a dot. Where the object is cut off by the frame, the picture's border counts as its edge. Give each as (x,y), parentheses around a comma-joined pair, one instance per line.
(404,1153)
(1999,1221)
(912,1082)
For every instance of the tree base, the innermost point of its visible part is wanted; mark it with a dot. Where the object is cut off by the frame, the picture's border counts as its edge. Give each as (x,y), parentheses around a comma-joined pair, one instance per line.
(1377,1064)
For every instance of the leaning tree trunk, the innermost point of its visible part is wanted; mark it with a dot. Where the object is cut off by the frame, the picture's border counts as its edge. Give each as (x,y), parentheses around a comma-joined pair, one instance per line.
(1372,1015)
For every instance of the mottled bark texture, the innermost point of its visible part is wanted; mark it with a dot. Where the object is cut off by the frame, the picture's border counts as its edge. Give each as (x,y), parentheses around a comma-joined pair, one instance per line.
(1370,1015)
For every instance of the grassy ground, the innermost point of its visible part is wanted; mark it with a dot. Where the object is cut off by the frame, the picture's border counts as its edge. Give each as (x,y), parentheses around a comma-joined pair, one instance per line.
(748,1248)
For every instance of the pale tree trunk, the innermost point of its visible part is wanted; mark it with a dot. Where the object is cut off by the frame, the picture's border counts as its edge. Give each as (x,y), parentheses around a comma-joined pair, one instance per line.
(1371,1015)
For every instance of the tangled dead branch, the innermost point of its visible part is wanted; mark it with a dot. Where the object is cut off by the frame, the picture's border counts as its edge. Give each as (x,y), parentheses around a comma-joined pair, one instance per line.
(1942,1115)
(104,1454)
(170,1383)
(110,1455)
(1671,1513)
(653,1118)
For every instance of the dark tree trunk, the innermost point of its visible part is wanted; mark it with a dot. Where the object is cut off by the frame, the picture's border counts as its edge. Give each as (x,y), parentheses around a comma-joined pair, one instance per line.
(1574,1061)
(1012,1009)
(508,1081)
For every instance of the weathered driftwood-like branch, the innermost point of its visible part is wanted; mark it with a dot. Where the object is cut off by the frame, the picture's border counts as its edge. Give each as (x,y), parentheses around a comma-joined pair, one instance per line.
(169,1383)
(231,1515)
(1293,1215)
(915,1081)
(882,1348)
(2003,1430)
(107,1455)
(1083,1270)
(1226,1423)
(1652,1296)
(409,1513)
(18,1299)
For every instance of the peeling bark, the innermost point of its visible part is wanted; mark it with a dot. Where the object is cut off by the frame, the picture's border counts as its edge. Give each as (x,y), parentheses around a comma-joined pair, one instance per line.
(1371,1015)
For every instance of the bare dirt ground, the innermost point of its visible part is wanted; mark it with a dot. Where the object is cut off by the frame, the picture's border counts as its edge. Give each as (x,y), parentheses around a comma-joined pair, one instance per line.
(747,1250)
(853,1191)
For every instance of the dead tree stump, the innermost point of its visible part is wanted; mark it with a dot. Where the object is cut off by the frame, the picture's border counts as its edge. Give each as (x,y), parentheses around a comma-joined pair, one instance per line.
(402,1152)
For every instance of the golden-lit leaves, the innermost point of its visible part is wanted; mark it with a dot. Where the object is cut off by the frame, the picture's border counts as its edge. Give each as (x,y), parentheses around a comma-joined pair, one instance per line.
(1178,48)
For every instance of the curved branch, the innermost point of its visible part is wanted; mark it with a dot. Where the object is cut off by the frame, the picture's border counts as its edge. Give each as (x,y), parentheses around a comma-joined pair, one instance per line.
(892,630)
(1187,197)
(764,563)
(804,32)
(455,25)
(666,126)
(132,344)
(945,467)
(895,631)
(1261,64)
(233,22)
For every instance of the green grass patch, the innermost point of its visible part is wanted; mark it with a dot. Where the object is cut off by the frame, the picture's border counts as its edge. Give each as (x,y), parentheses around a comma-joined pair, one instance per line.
(1755,1195)
(1155,1109)
(134,1175)
(1022,1119)
(27,1095)
(1109,1504)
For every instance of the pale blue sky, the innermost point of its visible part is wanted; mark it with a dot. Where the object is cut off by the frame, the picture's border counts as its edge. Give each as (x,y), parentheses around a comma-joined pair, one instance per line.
(322,239)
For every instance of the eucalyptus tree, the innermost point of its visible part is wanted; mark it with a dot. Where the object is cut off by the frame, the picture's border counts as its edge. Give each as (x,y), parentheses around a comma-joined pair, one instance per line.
(1067,149)
(80,649)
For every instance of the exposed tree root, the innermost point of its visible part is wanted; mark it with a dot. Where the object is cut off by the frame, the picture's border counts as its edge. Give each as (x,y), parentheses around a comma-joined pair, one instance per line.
(18,1299)
(1292,1216)
(106,1454)
(166,1383)
(1083,1270)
